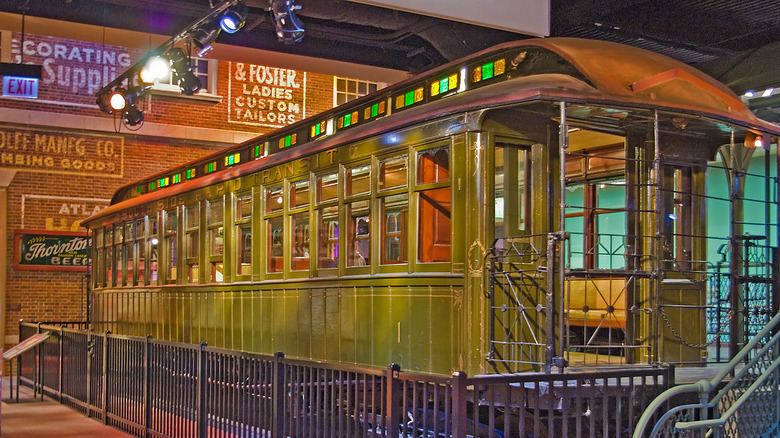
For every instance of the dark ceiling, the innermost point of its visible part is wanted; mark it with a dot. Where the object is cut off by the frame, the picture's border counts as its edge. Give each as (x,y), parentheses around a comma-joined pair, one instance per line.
(735,41)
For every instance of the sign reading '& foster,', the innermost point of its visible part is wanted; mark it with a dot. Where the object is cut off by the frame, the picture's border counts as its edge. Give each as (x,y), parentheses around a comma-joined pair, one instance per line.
(56,152)
(46,250)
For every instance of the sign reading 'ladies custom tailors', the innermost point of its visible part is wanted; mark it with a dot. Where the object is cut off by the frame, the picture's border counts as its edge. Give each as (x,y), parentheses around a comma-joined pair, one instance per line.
(47,250)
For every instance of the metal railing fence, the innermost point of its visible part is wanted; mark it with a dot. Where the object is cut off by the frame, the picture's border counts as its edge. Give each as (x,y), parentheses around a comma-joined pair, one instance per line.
(748,405)
(153,388)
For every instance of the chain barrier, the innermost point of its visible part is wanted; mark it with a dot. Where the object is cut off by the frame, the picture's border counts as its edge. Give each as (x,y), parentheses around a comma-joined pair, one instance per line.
(679,337)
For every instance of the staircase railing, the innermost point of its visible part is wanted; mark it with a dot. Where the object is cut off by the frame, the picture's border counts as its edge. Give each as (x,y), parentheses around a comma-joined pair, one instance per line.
(748,405)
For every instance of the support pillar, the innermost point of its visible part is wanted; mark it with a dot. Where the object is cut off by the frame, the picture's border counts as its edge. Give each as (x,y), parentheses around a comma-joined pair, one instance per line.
(5,180)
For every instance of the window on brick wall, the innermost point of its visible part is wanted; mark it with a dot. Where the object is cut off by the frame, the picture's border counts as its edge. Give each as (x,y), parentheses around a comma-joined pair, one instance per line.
(204,69)
(345,89)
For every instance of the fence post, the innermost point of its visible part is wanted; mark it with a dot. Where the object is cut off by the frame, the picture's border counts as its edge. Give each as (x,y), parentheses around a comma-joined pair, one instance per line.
(88,351)
(61,364)
(147,405)
(200,408)
(104,392)
(277,396)
(459,395)
(393,400)
(37,367)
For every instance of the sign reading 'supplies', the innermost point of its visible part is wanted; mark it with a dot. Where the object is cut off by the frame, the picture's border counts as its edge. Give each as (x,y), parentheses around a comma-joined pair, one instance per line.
(53,251)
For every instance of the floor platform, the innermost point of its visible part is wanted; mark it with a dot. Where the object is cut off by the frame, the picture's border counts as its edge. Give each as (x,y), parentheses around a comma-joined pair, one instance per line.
(35,418)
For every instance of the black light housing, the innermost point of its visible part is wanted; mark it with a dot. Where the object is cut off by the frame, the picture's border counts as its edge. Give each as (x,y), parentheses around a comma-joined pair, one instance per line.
(289,28)
(133,116)
(233,18)
(204,36)
(188,82)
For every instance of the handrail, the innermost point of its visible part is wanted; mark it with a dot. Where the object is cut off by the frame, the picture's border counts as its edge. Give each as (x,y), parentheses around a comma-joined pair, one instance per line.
(704,387)
(683,425)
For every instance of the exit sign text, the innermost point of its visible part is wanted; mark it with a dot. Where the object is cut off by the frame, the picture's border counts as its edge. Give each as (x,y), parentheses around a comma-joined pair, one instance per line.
(16,86)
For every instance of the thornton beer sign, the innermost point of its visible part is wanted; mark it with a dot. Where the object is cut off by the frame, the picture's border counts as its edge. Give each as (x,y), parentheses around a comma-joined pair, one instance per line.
(51,250)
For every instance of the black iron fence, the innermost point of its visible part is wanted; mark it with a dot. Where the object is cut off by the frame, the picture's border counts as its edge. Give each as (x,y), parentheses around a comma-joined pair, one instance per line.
(155,388)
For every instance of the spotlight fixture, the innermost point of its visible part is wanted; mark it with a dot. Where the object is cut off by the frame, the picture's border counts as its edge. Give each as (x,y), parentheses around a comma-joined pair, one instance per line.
(289,28)
(188,82)
(204,36)
(104,103)
(233,18)
(117,99)
(133,116)
(157,68)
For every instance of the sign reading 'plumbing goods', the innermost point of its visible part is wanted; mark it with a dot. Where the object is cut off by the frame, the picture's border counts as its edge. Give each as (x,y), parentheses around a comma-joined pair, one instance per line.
(59,152)
(54,251)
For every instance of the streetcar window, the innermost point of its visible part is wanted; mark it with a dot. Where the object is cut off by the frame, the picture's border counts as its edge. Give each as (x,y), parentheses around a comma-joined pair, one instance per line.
(433,165)
(274,199)
(392,172)
(140,249)
(327,187)
(109,239)
(300,248)
(128,253)
(358,180)
(395,213)
(359,234)
(244,249)
(328,240)
(119,255)
(153,247)
(299,194)
(97,280)
(192,241)
(243,234)
(244,207)
(275,243)
(171,246)
(435,225)
(216,239)
(512,197)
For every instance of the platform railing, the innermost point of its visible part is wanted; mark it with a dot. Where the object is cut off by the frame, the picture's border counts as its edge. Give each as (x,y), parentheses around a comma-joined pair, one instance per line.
(746,405)
(148,387)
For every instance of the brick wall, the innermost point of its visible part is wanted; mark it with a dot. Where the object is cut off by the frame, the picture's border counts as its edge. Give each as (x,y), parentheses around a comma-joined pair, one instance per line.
(40,198)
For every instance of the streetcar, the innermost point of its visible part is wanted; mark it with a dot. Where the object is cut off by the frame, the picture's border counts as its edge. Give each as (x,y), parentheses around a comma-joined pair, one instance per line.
(542,204)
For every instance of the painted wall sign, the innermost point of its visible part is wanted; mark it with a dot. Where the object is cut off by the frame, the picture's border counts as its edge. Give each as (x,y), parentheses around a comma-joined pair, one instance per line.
(16,86)
(57,152)
(58,213)
(265,96)
(73,69)
(51,251)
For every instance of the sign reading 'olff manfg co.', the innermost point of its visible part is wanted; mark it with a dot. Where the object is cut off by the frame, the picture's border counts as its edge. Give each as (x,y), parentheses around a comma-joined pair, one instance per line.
(54,251)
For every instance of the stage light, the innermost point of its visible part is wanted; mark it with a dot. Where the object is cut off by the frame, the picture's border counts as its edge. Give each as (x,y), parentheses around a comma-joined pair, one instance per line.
(157,68)
(104,103)
(135,94)
(289,28)
(188,82)
(117,99)
(204,36)
(133,116)
(233,18)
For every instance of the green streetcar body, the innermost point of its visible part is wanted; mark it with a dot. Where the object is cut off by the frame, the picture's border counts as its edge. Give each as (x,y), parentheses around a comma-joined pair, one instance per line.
(386,262)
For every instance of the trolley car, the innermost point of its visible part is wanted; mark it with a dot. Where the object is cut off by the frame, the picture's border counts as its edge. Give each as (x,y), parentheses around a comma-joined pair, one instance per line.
(537,204)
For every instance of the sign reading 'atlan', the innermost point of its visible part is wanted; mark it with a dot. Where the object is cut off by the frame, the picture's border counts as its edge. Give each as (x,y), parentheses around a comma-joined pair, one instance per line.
(58,152)
(266,96)
(56,251)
